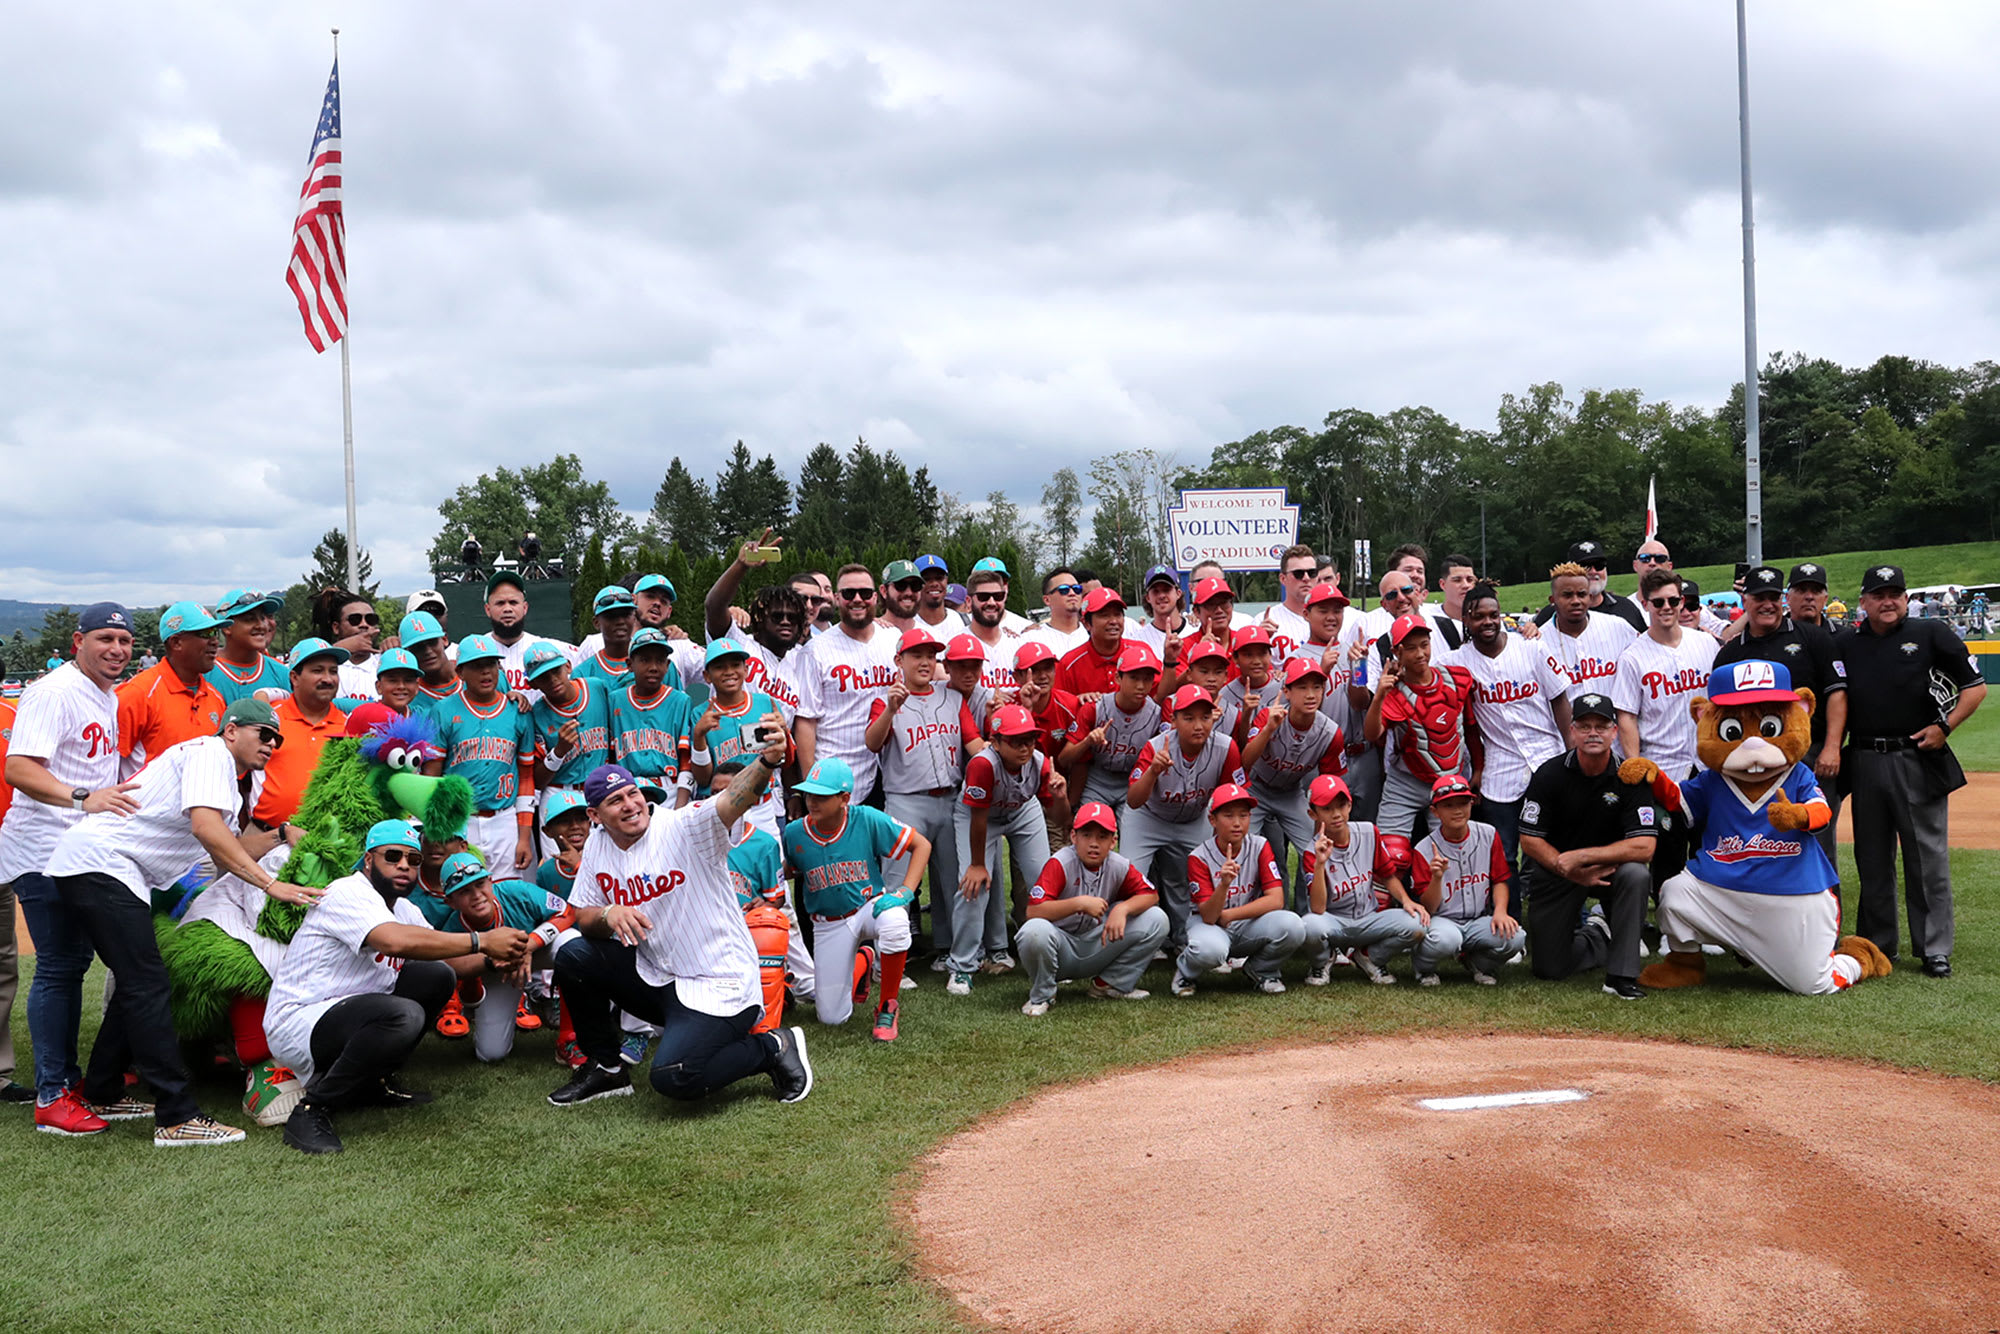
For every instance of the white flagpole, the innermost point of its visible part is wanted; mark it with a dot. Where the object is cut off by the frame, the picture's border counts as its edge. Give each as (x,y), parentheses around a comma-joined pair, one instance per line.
(1753,469)
(347,393)
(1652,510)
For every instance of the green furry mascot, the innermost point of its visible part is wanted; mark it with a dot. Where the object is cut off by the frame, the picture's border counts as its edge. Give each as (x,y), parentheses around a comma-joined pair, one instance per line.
(230,938)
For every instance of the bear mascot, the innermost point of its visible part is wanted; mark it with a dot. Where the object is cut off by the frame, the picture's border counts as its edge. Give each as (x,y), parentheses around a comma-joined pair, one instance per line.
(1755,882)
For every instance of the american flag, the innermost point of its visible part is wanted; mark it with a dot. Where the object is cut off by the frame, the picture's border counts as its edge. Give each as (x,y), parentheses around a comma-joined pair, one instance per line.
(318,276)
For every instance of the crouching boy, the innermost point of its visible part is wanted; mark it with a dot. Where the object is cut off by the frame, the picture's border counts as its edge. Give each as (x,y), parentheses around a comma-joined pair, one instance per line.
(1090,914)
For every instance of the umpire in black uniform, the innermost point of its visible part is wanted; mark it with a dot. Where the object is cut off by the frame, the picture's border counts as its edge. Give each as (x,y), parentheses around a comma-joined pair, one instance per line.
(1585,835)
(1771,634)
(1909,684)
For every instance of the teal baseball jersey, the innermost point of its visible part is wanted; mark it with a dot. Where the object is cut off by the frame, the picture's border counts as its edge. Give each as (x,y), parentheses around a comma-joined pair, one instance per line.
(651,737)
(551,876)
(735,735)
(234,683)
(433,704)
(487,747)
(757,869)
(522,906)
(591,712)
(432,905)
(614,673)
(844,872)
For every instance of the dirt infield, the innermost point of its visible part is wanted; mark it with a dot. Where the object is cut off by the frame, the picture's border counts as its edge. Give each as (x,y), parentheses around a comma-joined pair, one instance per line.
(1692,1189)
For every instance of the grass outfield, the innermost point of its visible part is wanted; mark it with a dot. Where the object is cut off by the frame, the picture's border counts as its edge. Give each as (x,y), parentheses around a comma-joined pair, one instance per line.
(1977,744)
(1956,563)
(492,1209)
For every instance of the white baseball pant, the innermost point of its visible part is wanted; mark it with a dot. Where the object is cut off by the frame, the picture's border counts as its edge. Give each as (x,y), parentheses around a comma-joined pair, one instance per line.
(1265,942)
(494,837)
(1790,936)
(1050,954)
(836,940)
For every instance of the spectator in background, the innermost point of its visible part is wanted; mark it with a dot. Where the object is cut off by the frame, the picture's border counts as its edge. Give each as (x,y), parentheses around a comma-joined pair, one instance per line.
(242,664)
(349,621)
(172,702)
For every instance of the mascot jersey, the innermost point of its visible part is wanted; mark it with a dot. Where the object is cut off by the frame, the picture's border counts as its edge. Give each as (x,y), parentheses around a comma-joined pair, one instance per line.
(757,869)
(844,872)
(1737,847)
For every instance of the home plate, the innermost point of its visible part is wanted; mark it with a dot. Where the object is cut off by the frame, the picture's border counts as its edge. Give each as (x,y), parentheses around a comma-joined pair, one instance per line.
(1477,1101)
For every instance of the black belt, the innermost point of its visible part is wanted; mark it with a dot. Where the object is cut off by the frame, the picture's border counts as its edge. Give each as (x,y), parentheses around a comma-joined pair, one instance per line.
(1883,745)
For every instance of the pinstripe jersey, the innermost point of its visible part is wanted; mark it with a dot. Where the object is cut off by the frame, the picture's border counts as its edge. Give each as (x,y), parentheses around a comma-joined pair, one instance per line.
(926,736)
(1125,735)
(1654,683)
(843,873)
(1256,876)
(1512,697)
(992,787)
(1065,876)
(1294,758)
(329,961)
(1181,791)
(651,737)
(998,673)
(488,747)
(767,672)
(1353,872)
(1471,868)
(1589,660)
(678,872)
(234,683)
(153,848)
(591,712)
(70,725)
(838,678)
(1289,629)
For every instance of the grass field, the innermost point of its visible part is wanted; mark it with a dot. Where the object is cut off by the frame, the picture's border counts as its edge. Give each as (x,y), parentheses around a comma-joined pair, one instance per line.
(1957,563)
(490,1209)
(1977,744)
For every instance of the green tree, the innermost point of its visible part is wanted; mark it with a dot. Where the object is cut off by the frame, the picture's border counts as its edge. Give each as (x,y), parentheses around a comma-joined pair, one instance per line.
(329,568)
(821,521)
(54,640)
(1062,508)
(555,500)
(683,512)
(750,496)
(587,576)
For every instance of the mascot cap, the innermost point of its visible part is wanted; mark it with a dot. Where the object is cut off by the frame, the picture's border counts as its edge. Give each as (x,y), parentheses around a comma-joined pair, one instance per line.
(1752,681)
(391,834)
(829,778)
(461,870)
(367,717)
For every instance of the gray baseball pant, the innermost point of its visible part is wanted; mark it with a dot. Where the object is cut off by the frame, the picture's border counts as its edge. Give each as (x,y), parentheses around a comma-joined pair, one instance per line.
(1484,948)
(1160,848)
(1384,933)
(932,817)
(980,922)
(1051,954)
(1282,818)
(1405,801)
(1263,942)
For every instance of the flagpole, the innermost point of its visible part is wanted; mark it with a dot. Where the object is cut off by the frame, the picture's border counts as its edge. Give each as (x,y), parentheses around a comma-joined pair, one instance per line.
(347,423)
(1753,483)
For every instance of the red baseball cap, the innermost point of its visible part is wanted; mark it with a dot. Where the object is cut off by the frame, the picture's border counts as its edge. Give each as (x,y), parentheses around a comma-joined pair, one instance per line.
(965,648)
(1137,657)
(1409,623)
(1327,787)
(1013,720)
(1096,813)
(1250,636)
(1228,795)
(1189,696)
(1212,587)
(1032,653)
(1298,669)
(1195,650)
(1449,786)
(1327,593)
(916,637)
(1102,598)
(368,716)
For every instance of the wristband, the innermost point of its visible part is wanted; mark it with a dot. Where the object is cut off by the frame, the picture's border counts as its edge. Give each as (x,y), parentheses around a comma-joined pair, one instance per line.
(1944,727)
(525,804)
(475,941)
(546,933)
(700,757)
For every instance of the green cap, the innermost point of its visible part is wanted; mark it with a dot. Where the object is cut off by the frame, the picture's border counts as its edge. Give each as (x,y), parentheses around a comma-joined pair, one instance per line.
(248,712)
(896,571)
(499,577)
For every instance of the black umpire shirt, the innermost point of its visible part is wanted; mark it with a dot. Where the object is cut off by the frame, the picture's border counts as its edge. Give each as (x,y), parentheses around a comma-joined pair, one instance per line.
(1568,809)
(1807,652)
(1902,682)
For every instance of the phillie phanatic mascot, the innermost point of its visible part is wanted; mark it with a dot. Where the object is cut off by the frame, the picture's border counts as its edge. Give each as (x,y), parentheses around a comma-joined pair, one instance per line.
(222,942)
(1756,881)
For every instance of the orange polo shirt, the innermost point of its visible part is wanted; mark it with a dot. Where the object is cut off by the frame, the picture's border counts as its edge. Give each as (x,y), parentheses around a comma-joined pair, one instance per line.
(291,768)
(156,710)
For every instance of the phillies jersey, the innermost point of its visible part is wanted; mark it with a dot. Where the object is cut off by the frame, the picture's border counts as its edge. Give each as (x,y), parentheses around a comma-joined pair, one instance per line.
(991,786)
(1472,867)
(68,723)
(926,736)
(1125,735)
(1294,758)
(1513,696)
(1181,790)
(492,748)
(838,678)
(766,672)
(1065,876)
(1427,724)
(591,712)
(757,867)
(1737,848)
(998,673)
(1590,659)
(1289,629)
(650,737)
(1353,872)
(1654,683)
(843,872)
(330,960)
(1257,874)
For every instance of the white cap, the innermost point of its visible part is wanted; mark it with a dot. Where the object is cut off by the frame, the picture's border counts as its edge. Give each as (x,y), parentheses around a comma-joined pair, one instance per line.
(422,598)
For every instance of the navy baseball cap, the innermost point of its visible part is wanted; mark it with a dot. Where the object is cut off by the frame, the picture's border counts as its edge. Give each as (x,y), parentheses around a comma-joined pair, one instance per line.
(925,564)
(1764,579)
(1807,574)
(1162,574)
(104,616)
(605,781)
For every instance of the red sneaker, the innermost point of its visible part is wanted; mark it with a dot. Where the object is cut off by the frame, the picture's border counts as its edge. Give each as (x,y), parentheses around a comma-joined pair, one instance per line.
(885,1023)
(864,964)
(69,1115)
(569,1054)
(451,1021)
(526,1019)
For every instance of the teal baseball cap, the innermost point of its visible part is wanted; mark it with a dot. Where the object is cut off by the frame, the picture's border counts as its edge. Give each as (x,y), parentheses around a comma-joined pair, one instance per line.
(478,648)
(542,657)
(391,834)
(187,618)
(419,627)
(314,647)
(657,583)
(396,660)
(461,870)
(991,565)
(649,637)
(829,778)
(242,601)
(560,802)
(610,599)
(718,649)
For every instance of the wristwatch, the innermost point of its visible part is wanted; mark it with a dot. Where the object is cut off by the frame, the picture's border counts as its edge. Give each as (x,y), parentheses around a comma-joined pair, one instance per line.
(77,796)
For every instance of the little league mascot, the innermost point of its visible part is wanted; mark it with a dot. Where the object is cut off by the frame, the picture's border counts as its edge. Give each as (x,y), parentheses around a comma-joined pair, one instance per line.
(230,937)
(1756,881)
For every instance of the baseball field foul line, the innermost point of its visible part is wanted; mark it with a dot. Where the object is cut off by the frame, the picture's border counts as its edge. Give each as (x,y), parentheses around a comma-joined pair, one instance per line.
(1478,1101)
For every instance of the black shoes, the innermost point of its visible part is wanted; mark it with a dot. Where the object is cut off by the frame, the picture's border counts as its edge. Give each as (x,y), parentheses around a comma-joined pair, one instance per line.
(310,1130)
(1937,965)
(1624,988)
(791,1072)
(591,1082)
(12,1092)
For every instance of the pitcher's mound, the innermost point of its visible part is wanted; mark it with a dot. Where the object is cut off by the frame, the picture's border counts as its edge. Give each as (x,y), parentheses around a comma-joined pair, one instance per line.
(1309,1188)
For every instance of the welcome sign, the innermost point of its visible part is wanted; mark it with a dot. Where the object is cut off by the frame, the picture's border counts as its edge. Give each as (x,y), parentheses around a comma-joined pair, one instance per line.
(1239,528)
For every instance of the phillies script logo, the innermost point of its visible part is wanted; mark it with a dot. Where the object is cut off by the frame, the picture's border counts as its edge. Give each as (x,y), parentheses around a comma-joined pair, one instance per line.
(758,675)
(845,678)
(638,889)
(1733,849)
(1682,681)
(1506,692)
(96,742)
(1592,669)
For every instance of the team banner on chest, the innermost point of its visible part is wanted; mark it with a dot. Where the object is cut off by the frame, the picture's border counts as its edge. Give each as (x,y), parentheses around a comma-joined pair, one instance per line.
(1239,528)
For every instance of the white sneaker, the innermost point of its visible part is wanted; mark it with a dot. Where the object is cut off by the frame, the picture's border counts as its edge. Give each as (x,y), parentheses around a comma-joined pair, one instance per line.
(1345,959)
(1271,986)
(1035,1009)
(198,1129)
(960,985)
(1485,979)
(1644,953)
(1002,962)
(941,964)
(909,983)
(1160,955)
(1099,991)
(1714,950)
(1180,986)
(1427,979)
(1234,964)
(1372,970)
(1320,974)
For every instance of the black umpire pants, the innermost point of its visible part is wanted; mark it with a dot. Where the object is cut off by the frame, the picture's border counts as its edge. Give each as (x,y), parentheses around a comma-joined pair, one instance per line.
(138,1028)
(1558,942)
(697,1054)
(363,1040)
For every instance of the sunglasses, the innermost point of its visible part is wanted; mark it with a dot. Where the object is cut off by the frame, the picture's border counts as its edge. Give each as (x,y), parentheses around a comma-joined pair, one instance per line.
(1299,574)
(814,599)
(989,597)
(856,594)
(1067,590)
(396,856)
(271,737)
(365,618)
(783,617)
(1650,558)
(908,585)
(1663,603)
(1402,592)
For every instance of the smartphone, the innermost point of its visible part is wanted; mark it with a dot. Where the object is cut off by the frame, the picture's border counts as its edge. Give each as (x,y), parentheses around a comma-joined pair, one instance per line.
(750,728)
(762,555)
(1742,572)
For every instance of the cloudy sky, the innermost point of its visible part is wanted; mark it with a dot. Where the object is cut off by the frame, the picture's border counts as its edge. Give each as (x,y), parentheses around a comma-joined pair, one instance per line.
(995,239)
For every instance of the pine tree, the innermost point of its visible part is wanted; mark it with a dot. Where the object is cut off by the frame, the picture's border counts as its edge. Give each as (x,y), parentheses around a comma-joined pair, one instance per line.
(683,512)
(330,566)
(592,573)
(821,521)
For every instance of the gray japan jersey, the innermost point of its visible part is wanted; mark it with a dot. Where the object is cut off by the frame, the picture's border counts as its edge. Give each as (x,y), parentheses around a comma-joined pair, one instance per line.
(1294,757)
(924,742)
(1351,873)
(1234,693)
(1249,884)
(1107,882)
(1125,734)
(1182,789)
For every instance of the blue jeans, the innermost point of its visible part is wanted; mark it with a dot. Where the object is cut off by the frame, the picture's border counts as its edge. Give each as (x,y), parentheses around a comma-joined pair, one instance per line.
(55,998)
(698,1053)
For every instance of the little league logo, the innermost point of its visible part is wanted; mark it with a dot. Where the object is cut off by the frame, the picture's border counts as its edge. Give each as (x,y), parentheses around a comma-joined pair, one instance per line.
(1755,675)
